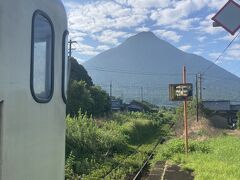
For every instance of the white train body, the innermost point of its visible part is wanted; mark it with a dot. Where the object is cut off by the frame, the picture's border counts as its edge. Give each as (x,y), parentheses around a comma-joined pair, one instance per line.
(32,109)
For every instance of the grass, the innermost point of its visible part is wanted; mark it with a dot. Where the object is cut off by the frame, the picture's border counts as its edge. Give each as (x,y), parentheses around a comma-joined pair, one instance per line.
(215,159)
(93,147)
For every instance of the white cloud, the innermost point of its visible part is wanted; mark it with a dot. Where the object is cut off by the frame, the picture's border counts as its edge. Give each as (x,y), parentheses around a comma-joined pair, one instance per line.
(205,26)
(233,53)
(103,47)
(227,37)
(177,16)
(185,47)
(77,35)
(214,55)
(109,37)
(201,38)
(142,29)
(198,52)
(149,3)
(169,35)
(100,15)
(216,4)
(86,50)
(80,61)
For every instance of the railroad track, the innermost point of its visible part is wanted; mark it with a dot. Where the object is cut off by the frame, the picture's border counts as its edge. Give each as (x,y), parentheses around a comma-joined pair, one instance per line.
(140,172)
(161,140)
(119,164)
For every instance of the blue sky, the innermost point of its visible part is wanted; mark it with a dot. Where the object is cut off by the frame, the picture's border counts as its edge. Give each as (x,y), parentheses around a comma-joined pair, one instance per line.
(103,24)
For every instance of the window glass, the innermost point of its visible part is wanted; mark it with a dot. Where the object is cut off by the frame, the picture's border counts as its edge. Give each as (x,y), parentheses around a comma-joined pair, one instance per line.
(42,58)
(66,65)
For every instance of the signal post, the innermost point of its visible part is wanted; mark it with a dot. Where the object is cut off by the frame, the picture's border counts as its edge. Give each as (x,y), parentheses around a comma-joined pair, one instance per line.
(182,92)
(185,113)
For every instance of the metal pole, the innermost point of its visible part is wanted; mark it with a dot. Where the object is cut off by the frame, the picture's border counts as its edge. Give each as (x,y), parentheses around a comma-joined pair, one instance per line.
(185,114)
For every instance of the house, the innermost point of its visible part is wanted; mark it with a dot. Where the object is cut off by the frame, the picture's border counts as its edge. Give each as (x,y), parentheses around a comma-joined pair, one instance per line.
(116,104)
(226,108)
(235,106)
(218,105)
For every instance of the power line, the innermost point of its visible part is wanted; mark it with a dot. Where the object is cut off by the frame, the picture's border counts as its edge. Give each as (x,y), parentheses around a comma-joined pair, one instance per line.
(224,50)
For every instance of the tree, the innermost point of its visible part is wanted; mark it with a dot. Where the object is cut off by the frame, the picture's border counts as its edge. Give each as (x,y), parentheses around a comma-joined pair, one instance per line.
(79,73)
(79,98)
(102,101)
(82,94)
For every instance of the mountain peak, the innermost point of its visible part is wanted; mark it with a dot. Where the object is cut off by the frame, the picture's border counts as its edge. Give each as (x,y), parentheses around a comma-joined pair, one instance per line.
(146,40)
(145,34)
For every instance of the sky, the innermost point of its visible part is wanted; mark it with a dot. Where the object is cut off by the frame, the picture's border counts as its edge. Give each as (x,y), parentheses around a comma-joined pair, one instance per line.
(98,25)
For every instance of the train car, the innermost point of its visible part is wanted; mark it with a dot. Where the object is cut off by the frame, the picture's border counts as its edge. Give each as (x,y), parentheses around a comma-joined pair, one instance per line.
(33,56)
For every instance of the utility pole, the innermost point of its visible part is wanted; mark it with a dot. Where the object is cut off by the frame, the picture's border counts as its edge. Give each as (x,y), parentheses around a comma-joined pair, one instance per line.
(110,90)
(197,97)
(185,113)
(70,47)
(142,94)
(110,94)
(200,86)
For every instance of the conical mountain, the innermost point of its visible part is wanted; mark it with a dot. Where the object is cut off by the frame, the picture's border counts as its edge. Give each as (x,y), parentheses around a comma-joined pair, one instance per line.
(146,61)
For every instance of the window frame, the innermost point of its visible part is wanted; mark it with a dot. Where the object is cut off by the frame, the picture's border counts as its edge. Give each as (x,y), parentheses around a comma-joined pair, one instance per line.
(65,34)
(35,97)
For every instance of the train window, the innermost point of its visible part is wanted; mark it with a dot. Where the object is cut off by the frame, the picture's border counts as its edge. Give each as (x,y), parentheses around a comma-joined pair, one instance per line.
(42,57)
(65,66)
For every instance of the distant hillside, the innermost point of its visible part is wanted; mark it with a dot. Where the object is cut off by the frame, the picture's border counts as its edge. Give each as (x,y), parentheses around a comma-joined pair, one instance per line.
(79,73)
(146,61)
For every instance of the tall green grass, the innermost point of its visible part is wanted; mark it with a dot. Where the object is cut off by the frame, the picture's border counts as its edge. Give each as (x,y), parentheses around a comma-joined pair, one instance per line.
(94,147)
(215,159)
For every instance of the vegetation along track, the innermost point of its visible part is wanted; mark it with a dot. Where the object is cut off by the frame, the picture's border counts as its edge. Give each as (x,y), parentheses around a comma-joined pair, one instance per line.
(150,155)
(141,170)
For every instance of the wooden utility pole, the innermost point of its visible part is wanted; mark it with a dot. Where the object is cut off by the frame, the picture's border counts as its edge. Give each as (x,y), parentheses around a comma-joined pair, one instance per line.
(110,90)
(200,86)
(185,113)
(110,94)
(197,96)
(142,94)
